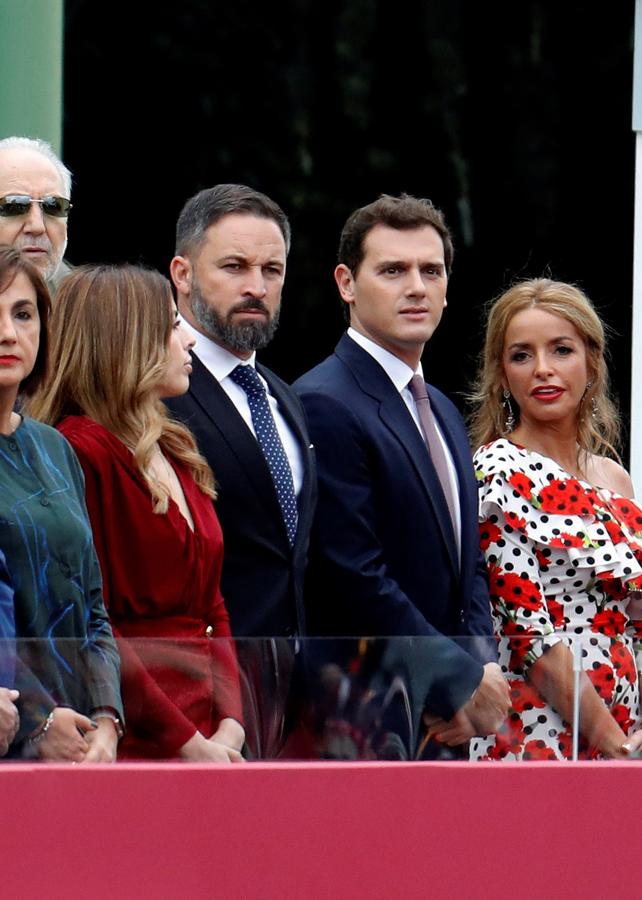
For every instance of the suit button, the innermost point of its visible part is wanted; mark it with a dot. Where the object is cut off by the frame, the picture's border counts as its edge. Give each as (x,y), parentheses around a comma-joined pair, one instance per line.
(209,631)
(44,501)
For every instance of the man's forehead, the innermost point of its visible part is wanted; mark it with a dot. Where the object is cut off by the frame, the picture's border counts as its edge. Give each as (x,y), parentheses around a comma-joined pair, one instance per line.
(385,242)
(23,169)
(245,233)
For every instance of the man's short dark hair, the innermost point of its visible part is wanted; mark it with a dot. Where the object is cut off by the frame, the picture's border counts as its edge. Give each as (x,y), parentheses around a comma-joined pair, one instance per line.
(404,213)
(208,206)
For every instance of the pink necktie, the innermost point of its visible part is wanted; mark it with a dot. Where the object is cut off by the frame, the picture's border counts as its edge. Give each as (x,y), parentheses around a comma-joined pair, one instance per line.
(433,442)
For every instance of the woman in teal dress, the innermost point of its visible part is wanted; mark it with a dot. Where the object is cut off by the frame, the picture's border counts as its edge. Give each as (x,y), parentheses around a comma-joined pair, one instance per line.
(67,665)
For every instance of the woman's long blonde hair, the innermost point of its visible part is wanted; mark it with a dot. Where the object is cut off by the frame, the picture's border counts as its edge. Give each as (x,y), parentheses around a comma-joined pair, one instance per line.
(110,332)
(598,430)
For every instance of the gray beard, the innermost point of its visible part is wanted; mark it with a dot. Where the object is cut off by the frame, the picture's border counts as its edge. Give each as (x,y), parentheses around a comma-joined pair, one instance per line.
(237,338)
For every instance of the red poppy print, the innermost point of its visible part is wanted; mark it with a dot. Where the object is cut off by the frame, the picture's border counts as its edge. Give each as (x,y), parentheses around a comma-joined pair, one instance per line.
(593,496)
(621,715)
(515,521)
(567,540)
(489,534)
(628,513)
(522,484)
(556,612)
(615,532)
(565,498)
(609,621)
(520,644)
(565,743)
(562,569)
(537,749)
(524,696)
(612,586)
(623,662)
(509,738)
(515,590)
(603,680)
(542,560)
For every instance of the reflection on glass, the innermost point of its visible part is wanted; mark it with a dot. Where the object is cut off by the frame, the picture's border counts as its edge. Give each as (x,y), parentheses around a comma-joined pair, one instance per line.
(363,699)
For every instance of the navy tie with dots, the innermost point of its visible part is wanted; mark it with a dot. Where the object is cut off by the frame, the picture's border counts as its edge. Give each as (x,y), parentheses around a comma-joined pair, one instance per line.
(270,444)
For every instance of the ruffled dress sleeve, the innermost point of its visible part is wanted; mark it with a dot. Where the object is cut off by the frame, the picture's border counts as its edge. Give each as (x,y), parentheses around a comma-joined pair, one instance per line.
(547,540)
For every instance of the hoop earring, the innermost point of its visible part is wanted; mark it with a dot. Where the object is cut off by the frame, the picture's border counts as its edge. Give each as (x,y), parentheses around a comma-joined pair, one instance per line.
(509,424)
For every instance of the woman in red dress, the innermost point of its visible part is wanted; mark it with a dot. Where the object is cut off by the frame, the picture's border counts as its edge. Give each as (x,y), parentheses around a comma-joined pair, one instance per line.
(117,349)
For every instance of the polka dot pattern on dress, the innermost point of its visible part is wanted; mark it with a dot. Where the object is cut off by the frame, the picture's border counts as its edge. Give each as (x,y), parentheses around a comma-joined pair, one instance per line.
(270,443)
(564,562)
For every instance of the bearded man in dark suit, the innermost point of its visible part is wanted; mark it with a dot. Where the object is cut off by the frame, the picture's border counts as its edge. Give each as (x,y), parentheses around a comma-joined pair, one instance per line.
(229,268)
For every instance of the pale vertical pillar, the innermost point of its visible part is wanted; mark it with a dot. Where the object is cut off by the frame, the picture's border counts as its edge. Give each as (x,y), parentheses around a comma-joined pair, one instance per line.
(31,69)
(636,336)
(636,329)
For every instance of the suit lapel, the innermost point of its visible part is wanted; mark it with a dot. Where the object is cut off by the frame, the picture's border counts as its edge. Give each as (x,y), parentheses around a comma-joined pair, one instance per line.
(229,423)
(394,413)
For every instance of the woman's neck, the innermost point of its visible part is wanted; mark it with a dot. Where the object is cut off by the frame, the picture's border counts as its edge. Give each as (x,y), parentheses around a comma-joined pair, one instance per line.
(9,420)
(555,441)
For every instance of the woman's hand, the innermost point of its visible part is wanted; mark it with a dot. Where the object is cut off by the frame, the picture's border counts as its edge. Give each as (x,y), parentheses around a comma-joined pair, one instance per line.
(103,742)
(9,718)
(231,733)
(63,741)
(199,749)
(623,749)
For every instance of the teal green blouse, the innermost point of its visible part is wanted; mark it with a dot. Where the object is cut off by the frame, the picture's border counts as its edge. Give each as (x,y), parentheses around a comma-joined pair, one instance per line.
(67,655)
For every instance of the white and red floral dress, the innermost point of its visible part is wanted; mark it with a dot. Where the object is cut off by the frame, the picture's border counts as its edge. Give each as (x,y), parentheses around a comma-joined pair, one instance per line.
(564,563)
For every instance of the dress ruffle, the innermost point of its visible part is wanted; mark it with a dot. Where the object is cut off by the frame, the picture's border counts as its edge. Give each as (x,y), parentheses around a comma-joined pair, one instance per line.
(582,530)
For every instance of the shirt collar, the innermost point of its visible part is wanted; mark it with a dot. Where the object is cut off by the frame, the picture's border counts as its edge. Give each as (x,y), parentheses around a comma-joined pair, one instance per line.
(396,370)
(216,359)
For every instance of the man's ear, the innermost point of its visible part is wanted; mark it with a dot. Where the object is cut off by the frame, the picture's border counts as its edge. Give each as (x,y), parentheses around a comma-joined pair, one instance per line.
(180,269)
(345,282)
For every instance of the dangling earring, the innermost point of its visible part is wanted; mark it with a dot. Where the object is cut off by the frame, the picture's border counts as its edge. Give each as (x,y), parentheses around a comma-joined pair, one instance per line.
(509,424)
(589,385)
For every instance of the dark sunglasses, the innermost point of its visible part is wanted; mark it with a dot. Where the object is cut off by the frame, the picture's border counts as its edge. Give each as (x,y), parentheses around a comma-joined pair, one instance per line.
(19,205)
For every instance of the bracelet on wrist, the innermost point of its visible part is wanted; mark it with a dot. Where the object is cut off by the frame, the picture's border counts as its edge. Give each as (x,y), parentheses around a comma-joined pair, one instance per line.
(105,714)
(36,738)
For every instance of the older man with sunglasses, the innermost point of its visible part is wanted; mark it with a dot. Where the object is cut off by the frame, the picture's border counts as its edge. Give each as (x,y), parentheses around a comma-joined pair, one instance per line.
(35,188)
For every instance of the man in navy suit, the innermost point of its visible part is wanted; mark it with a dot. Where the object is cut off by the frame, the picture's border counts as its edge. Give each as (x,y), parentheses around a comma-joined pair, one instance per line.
(231,250)
(389,557)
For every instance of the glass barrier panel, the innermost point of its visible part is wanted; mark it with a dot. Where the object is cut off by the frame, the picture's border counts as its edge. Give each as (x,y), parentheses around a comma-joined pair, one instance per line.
(351,699)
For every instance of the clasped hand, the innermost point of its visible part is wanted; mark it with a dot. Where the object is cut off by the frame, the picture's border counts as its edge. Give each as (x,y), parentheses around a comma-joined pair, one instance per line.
(9,718)
(482,715)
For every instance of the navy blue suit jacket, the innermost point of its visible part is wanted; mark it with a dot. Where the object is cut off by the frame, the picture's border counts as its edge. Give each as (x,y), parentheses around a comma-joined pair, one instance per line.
(262,580)
(383,557)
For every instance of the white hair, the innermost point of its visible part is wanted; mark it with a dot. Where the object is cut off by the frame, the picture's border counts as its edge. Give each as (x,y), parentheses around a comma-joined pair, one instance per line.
(46,150)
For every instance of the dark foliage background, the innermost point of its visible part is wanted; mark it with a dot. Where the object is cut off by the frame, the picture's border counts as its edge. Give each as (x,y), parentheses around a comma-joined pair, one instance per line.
(515,118)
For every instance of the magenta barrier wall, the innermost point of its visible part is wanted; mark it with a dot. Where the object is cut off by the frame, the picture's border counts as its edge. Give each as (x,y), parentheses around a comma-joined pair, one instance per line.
(340,830)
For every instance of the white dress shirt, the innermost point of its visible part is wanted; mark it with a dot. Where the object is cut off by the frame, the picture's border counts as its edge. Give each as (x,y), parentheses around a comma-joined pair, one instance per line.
(400,374)
(219,363)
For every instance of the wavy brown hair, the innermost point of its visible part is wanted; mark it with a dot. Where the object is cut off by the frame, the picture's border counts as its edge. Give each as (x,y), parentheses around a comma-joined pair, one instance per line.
(598,429)
(109,340)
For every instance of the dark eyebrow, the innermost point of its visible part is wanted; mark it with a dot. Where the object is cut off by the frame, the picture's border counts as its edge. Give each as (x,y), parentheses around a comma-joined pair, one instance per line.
(555,340)
(19,304)
(387,263)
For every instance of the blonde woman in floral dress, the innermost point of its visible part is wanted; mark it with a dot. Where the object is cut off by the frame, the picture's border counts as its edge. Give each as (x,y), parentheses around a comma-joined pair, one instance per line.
(561,534)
